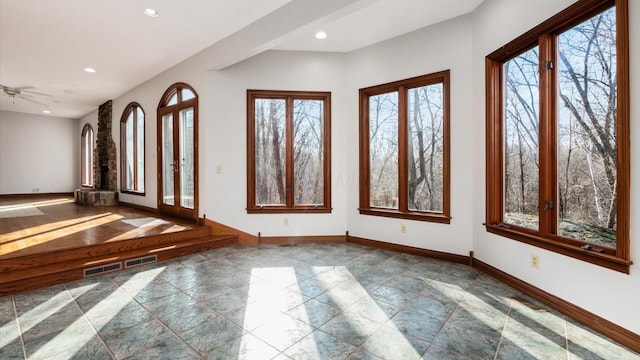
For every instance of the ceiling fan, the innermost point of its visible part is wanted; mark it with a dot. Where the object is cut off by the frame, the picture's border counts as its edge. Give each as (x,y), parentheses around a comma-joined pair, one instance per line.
(22,93)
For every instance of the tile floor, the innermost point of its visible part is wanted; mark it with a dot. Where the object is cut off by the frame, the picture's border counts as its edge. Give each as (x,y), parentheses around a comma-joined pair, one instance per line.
(315,301)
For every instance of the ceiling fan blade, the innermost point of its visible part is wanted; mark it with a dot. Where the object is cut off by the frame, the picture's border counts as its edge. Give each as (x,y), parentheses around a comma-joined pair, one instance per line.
(18,88)
(33,92)
(33,101)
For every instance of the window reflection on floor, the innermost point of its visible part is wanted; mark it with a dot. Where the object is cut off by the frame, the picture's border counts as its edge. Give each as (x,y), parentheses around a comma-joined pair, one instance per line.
(313,301)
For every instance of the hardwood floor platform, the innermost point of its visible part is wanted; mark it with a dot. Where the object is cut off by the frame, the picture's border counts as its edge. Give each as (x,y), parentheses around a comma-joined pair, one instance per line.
(49,239)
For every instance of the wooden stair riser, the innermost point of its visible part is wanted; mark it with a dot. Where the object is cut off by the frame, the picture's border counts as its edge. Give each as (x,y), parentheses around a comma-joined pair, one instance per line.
(95,251)
(52,274)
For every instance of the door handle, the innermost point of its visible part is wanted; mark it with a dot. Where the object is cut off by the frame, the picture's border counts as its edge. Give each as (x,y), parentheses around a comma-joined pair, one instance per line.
(174,165)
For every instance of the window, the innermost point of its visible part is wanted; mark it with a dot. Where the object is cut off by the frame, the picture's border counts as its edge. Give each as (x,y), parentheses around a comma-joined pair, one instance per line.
(86,161)
(558,135)
(132,150)
(404,149)
(288,151)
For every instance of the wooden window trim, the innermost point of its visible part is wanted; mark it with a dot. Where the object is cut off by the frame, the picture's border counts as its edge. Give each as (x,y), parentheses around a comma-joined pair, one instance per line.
(132,107)
(543,35)
(289,207)
(86,157)
(403,212)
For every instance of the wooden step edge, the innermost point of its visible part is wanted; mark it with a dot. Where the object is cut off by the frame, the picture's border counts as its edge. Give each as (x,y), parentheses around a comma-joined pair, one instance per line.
(77,274)
(97,250)
(82,263)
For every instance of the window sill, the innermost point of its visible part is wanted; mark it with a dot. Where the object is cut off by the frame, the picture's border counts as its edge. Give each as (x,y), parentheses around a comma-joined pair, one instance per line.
(576,252)
(283,210)
(131,192)
(412,215)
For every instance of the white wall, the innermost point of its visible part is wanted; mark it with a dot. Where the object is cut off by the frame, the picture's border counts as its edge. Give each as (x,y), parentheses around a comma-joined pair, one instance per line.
(606,293)
(440,47)
(148,95)
(37,154)
(226,138)
(222,135)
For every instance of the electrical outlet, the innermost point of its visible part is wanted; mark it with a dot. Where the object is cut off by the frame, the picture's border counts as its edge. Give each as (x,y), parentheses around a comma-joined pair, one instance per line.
(535,261)
(218,169)
(403,228)
(285,222)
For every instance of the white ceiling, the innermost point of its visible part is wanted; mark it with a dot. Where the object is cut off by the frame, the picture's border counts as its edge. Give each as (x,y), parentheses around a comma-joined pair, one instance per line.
(46,44)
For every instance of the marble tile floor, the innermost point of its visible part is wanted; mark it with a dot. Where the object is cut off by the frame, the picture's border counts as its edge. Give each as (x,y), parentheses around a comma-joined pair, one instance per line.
(313,301)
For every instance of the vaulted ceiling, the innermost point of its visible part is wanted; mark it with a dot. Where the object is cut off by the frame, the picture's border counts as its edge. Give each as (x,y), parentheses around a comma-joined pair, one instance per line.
(45,45)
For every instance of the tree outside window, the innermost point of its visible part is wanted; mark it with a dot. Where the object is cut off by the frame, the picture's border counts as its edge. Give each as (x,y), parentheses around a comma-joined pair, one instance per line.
(558,165)
(288,151)
(86,161)
(132,149)
(404,149)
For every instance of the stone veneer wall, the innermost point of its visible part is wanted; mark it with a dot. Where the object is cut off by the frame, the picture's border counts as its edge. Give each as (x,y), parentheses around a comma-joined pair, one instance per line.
(105,153)
(96,197)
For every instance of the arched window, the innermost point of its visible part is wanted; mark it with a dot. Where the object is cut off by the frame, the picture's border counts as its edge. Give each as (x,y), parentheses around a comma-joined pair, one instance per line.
(178,151)
(132,149)
(87,155)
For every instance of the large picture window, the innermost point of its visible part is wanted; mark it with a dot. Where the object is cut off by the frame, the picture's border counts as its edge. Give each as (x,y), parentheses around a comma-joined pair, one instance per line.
(558,135)
(404,149)
(86,161)
(132,149)
(288,151)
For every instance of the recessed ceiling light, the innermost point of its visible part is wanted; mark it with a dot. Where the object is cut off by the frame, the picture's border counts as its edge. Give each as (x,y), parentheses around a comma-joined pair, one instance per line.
(89,70)
(321,35)
(46,111)
(150,12)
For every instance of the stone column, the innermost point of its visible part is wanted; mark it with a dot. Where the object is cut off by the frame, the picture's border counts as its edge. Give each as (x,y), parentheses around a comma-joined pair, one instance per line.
(105,168)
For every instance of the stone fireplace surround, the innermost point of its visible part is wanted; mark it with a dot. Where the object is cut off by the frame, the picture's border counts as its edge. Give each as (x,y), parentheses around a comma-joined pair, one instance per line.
(105,175)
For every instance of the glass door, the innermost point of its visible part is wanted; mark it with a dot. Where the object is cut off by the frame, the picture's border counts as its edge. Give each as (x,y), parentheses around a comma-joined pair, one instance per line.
(168,163)
(187,165)
(177,155)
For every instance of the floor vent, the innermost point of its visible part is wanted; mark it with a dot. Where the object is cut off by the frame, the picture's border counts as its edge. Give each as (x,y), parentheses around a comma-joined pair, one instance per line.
(102,269)
(140,261)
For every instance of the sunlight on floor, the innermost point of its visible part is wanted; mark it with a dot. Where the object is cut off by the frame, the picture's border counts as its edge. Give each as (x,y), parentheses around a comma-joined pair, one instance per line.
(282,331)
(16,212)
(49,232)
(20,234)
(142,226)
(525,329)
(35,204)
(174,228)
(357,303)
(269,288)
(75,336)
(35,316)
